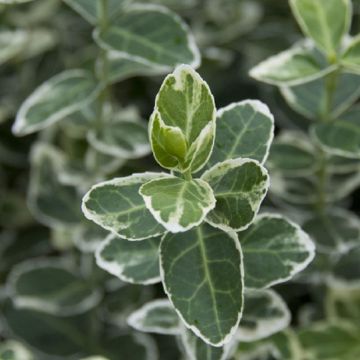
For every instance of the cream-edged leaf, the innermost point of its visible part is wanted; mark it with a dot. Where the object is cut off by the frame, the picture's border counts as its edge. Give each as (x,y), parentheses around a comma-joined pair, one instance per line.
(243,129)
(183,118)
(202,274)
(300,64)
(157,316)
(178,204)
(265,313)
(127,139)
(14,350)
(55,99)
(325,21)
(117,206)
(163,39)
(239,186)
(12,43)
(136,262)
(50,287)
(275,249)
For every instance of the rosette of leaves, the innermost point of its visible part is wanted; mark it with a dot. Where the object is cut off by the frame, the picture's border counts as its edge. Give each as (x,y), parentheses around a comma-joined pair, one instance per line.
(196,228)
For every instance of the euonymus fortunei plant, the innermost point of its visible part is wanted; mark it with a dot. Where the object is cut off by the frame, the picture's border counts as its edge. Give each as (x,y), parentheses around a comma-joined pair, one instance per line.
(145,224)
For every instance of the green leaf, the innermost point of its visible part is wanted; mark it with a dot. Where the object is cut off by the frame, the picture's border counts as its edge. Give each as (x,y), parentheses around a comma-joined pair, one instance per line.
(292,155)
(90,9)
(13,2)
(325,21)
(178,204)
(134,262)
(275,249)
(298,65)
(243,129)
(117,206)
(334,232)
(340,137)
(11,44)
(49,286)
(184,104)
(195,348)
(163,39)
(122,67)
(239,186)
(157,316)
(14,350)
(127,139)
(308,99)
(265,313)
(52,203)
(55,99)
(72,331)
(203,276)
(327,341)
(351,56)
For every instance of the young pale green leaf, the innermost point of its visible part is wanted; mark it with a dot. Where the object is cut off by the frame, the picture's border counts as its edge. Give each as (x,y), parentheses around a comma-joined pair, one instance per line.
(275,249)
(340,137)
(195,348)
(351,56)
(157,316)
(330,341)
(55,99)
(163,39)
(133,262)
(51,202)
(308,99)
(121,67)
(325,21)
(14,350)
(298,65)
(127,139)
(11,44)
(178,204)
(117,206)
(244,129)
(50,287)
(334,232)
(13,2)
(90,10)
(265,313)
(292,154)
(202,274)
(182,126)
(239,186)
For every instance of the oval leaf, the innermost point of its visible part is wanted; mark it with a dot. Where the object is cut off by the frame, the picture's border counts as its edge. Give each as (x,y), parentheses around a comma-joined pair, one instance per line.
(117,206)
(133,262)
(351,57)
(157,316)
(178,204)
(162,39)
(275,249)
(265,313)
(55,99)
(239,186)
(203,277)
(244,129)
(184,104)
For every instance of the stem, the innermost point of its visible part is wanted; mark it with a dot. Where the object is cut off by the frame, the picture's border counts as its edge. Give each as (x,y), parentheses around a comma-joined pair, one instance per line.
(187,175)
(322,174)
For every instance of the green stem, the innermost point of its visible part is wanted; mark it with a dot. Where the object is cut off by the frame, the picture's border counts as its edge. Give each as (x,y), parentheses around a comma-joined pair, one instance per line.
(187,175)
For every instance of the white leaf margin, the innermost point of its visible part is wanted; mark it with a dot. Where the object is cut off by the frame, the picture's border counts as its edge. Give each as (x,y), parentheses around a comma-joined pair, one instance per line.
(28,302)
(173,225)
(235,163)
(161,9)
(117,269)
(266,327)
(135,318)
(193,328)
(21,128)
(127,180)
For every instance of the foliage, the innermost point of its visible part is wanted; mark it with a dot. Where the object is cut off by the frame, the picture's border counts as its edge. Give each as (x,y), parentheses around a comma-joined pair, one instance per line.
(195,235)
